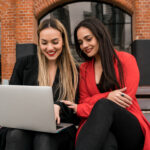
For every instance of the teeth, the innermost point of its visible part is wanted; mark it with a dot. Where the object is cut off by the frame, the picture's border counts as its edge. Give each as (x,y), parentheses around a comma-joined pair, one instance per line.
(51,52)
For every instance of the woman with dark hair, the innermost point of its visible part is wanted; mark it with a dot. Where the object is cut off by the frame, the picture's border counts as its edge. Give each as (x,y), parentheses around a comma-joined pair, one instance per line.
(111,118)
(52,66)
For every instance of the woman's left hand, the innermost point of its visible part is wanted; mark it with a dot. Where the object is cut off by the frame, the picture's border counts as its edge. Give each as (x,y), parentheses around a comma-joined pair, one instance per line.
(71,105)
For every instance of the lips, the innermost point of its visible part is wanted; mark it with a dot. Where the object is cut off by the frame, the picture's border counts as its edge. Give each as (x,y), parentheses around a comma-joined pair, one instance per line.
(88,50)
(51,53)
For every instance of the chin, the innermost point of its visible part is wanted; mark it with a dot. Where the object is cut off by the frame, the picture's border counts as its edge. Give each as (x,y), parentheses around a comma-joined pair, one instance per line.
(51,58)
(90,55)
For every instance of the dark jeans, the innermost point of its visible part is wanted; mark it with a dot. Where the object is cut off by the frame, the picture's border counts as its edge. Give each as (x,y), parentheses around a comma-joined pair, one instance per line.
(29,140)
(110,127)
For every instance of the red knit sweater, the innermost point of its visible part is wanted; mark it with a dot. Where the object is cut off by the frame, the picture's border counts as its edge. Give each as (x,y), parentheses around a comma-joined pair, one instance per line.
(89,93)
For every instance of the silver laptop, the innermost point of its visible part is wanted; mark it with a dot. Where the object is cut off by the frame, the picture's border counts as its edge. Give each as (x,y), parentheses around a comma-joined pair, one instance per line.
(29,108)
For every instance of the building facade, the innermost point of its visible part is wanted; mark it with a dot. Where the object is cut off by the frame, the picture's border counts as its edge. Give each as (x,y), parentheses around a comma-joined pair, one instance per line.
(128,22)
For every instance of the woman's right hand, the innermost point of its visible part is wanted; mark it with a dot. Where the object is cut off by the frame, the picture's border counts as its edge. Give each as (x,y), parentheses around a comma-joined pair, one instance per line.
(120,98)
(57,112)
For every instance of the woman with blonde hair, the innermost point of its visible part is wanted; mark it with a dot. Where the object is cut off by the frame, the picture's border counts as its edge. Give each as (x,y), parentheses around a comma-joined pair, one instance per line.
(54,66)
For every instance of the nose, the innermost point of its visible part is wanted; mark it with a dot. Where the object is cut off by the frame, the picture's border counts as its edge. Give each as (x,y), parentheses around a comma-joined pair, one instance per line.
(85,44)
(49,46)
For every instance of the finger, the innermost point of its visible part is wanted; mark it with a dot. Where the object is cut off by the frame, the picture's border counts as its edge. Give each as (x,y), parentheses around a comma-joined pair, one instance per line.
(62,100)
(127,96)
(123,89)
(68,103)
(58,120)
(71,106)
(125,99)
(118,103)
(121,102)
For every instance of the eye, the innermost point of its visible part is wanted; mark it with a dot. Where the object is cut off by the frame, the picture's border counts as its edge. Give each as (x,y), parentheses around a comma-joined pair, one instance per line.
(89,39)
(55,41)
(44,43)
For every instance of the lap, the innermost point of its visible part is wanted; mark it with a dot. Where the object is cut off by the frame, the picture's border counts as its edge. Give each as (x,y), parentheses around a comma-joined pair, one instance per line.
(124,125)
(107,116)
(42,140)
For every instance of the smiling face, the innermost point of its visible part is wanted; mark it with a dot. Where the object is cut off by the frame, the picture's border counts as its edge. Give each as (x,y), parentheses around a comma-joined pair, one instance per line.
(51,43)
(88,42)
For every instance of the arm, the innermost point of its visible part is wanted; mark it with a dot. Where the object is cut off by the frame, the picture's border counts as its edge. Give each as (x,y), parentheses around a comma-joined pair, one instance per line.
(17,75)
(131,76)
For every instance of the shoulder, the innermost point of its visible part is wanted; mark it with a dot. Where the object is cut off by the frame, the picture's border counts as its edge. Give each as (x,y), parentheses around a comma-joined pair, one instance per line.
(125,57)
(30,60)
(85,65)
(84,68)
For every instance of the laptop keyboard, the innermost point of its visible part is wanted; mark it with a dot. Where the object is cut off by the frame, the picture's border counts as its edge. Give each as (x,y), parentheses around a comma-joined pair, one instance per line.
(58,126)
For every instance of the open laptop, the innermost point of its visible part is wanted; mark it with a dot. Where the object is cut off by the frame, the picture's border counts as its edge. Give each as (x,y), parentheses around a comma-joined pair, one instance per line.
(29,108)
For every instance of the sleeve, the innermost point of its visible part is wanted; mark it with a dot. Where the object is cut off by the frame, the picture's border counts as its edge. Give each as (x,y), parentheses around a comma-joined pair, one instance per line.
(86,101)
(17,75)
(67,115)
(25,71)
(131,76)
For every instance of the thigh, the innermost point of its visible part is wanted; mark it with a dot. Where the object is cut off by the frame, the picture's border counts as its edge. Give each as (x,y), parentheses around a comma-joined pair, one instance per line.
(59,141)
(17,139)
(45,141)
(97,127)
(127,130)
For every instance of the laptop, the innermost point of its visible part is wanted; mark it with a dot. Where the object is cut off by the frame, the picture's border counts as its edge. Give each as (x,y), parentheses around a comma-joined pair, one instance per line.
(29,108)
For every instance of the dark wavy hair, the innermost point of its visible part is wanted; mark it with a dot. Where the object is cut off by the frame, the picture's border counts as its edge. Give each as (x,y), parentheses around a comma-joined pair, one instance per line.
(106,52)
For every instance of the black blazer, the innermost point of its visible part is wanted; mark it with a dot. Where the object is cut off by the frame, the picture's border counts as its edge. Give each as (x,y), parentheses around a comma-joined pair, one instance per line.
(26,73)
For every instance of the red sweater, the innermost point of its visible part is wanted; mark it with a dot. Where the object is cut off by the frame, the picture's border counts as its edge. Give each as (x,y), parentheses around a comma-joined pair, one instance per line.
(89,93)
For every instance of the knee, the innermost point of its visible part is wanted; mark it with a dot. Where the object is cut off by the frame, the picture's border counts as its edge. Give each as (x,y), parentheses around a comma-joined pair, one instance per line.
(43,138)
(103,104)
(14,135)
(45,141)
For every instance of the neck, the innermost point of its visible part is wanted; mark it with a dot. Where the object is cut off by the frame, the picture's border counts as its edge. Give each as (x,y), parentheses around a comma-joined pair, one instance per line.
(52,68)
(98,60)
(52,64)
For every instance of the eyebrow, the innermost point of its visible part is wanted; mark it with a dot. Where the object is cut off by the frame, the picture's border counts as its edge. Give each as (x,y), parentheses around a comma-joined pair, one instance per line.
(55,39)
(85,37)
(51,39)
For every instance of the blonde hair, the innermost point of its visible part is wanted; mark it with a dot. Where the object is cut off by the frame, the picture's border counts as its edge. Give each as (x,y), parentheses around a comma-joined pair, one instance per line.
(68,79)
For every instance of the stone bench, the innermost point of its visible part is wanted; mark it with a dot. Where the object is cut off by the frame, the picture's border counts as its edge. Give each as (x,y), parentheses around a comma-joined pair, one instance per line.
(143,97)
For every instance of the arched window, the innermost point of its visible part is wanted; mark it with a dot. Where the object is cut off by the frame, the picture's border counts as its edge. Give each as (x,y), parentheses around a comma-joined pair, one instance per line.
(116,20)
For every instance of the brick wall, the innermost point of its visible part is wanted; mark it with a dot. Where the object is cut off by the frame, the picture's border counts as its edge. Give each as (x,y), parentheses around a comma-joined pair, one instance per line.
(7,37)
(142,19)
(26,24)
(19,23)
